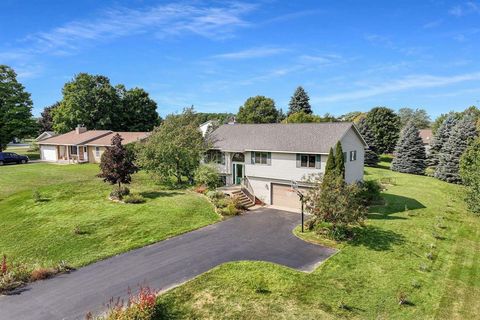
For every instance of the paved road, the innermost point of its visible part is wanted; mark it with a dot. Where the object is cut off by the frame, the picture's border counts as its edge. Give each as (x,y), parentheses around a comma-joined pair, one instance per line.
(264,234)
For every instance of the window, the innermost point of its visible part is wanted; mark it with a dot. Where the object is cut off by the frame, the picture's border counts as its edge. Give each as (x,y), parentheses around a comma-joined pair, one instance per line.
(353,155)
(308,161)
(73,150)
(215,156)
(261,157)
(97,152)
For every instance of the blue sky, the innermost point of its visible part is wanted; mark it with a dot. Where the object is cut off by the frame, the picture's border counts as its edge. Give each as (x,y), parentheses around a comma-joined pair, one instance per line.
(348,55)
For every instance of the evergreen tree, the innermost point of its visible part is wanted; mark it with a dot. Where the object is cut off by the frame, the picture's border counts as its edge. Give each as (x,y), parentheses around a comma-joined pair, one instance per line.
(461,136)
(470,173)
(300,102)
(371,156)
(339,160)
(385,126)
(331,166)
(409,155)
(440,138)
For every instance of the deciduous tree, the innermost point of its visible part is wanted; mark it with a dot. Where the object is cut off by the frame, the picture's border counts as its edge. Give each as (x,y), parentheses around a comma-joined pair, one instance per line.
(46,118)
(138,111)
(419,117)
(385,126)
(302,117)
(409,154)
(470,174)
(258,109)
(15,108)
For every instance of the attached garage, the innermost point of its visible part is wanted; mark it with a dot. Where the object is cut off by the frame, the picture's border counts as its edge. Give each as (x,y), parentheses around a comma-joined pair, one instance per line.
(284,196)
(48,153)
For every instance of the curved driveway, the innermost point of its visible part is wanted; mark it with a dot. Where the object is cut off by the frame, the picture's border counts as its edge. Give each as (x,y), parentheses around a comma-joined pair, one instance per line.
(264,234)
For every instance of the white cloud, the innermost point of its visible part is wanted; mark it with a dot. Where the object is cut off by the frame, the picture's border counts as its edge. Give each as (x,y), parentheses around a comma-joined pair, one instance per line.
(464,9)
(259,52)
(406,83)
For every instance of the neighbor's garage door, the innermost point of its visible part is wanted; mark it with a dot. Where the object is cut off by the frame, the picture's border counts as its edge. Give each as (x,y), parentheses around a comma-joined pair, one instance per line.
(283,196)
(48,153)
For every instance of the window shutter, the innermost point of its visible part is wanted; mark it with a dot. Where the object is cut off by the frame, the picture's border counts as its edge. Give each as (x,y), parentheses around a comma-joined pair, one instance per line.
(318,161)
(298,160)
(269,158)
(252,154)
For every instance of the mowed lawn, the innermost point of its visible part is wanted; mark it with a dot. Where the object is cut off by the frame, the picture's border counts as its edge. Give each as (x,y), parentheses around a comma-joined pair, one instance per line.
(421,216)
(75,221)
(24,151)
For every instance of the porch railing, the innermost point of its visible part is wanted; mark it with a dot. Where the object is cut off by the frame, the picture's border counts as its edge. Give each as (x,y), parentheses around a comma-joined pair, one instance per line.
(247,189)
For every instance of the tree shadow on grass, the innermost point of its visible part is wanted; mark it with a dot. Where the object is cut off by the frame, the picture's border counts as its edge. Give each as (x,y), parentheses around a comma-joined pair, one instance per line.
(394,204)
(376,238)
(159,194)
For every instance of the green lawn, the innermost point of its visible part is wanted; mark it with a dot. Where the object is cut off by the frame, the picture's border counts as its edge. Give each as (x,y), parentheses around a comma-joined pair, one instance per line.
(73,198)
(25,151)
(420,215)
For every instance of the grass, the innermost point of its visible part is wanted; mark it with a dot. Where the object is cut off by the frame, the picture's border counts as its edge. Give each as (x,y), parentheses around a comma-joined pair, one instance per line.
(421,247)
(74,221)
(24,151)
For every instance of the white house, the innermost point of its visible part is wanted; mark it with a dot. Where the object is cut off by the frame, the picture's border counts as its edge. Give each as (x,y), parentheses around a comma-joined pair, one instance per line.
(264,159)
(206,125)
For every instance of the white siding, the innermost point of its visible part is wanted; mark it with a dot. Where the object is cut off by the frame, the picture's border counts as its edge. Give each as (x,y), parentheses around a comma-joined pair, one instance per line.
(283,167)
(353,169)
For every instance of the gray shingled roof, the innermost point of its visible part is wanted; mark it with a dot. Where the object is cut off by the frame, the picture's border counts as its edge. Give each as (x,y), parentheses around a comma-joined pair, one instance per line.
(288,137)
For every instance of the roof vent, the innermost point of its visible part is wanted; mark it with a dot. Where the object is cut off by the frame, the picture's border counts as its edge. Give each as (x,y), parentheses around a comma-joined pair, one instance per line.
(80,129)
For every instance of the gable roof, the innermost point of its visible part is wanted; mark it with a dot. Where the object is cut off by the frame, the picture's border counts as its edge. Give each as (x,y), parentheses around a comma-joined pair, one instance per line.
(285,137)
(128,137)
(74,138)
(45,135)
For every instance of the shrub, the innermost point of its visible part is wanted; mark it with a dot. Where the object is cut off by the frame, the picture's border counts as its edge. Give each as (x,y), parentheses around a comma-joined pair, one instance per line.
(369,192)
(36,196)
(119,192)
(220,202)
(215,194)
(134,198)
(200,189)
(469,164)
(230,210)
(208,175)
(140,306)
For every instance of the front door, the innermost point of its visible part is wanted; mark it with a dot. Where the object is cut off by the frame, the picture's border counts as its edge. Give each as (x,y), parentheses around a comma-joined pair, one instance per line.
(237,173)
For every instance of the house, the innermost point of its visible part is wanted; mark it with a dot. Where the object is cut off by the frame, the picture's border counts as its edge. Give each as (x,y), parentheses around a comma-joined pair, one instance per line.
(206,125)
(45,135)
(427,137)
(264,159)
(82,145)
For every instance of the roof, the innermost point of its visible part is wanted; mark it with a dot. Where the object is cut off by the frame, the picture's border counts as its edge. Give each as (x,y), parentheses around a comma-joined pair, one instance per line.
(45,135)
(128,137)
(288,137)
(93,137)
(426,135)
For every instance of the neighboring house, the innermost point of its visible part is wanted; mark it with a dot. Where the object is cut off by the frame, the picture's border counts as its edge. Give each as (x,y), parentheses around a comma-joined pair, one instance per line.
(265,158)
(82,145)
(427,137)
(45,135)
(206,125)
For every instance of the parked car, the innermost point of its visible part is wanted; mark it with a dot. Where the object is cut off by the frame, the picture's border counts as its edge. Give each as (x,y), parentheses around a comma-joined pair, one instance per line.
(10,157)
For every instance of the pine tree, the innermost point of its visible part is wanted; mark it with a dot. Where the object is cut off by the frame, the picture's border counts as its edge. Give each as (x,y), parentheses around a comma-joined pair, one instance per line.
(385,126)
(371,156)
(440,139)
(409,154)
(300,102)
(461,135)
(331,166)
(339,160)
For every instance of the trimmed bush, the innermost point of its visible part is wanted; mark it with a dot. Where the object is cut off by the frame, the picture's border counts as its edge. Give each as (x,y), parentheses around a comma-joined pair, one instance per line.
(134,198)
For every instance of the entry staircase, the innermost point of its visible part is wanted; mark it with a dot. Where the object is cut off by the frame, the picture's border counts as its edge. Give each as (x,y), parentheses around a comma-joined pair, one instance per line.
(244,199)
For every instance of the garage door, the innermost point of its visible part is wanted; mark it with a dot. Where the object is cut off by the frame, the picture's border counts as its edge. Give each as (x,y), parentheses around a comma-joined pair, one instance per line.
(48,153)
(283,196)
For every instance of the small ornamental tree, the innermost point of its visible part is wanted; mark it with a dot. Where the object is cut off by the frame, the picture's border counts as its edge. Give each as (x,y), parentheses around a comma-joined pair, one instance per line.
(470,174)
(409,154)
(300,102)
(339,160)
(371,157)
(333,201)
(461,136)
(116,163)
(440,138)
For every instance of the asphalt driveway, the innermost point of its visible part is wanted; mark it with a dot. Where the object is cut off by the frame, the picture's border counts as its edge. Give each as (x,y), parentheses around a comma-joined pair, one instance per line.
(264,234)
